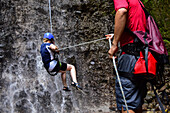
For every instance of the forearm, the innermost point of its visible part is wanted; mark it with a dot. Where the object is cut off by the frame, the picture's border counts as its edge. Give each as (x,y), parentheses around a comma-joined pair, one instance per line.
(120,22)
(54,48)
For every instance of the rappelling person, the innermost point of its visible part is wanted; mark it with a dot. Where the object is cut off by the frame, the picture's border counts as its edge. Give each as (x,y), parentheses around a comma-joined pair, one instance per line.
(48,50)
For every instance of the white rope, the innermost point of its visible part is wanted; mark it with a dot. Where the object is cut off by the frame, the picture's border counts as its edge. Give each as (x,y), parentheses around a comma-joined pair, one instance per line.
(82,44)
(114,64)
(50,16)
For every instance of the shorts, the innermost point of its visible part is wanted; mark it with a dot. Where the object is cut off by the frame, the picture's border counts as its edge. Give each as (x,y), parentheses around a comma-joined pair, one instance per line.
(134,92)
(134,88)
(60,66)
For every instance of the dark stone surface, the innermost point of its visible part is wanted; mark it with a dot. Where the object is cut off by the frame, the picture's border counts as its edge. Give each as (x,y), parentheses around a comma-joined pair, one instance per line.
(26,87)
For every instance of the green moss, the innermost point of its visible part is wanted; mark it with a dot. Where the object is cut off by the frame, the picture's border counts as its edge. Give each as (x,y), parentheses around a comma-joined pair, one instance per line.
(167,44)
(159,9)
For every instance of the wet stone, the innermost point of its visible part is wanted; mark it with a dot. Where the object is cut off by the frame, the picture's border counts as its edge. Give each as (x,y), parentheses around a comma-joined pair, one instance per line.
(25,85)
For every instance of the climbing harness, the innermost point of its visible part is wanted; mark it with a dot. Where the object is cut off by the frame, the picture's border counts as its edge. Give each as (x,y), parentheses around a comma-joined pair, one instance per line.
(82,44)
(114,64)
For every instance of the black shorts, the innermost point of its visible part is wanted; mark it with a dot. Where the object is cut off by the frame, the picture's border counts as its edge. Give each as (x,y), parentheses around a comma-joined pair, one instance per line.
(60,67)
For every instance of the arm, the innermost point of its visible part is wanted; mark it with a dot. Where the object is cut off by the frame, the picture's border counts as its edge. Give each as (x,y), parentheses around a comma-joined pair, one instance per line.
(54,48)
(120,22)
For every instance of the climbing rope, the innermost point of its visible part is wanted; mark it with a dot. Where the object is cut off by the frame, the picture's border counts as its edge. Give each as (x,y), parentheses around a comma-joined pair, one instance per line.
(81,44)
(117,74)
(50,16)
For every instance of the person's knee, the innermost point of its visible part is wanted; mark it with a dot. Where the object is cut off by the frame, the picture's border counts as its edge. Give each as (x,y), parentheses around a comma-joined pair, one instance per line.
(72,67)
(63,72)
(69,67)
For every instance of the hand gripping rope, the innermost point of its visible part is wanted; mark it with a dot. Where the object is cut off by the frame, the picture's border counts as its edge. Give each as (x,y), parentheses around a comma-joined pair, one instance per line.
(117,74)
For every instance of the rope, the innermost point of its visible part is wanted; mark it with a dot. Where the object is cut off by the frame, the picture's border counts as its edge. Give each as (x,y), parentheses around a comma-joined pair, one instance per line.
(114,63)
(50,16)
(82,44)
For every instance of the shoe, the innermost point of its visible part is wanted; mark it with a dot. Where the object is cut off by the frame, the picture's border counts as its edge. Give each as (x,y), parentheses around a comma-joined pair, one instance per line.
(76,85)
(66,88)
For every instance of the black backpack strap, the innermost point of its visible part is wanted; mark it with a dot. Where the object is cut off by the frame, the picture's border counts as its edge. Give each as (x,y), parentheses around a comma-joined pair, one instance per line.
(165,96)
(146,12)
(159,101)
(146,52)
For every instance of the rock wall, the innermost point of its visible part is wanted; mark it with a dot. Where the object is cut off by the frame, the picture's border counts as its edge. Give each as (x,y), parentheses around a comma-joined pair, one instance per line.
(25,85)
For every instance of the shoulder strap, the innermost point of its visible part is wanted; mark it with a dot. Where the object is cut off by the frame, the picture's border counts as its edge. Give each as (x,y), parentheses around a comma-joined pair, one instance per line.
(159,101)
(146,52)
(146,12)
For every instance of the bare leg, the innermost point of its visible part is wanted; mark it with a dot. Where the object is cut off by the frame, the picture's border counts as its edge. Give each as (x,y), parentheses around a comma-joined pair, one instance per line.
(63,77)
(72,70)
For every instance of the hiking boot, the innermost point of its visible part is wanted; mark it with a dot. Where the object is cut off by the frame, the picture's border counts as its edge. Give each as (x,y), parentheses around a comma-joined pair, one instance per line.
(76,85)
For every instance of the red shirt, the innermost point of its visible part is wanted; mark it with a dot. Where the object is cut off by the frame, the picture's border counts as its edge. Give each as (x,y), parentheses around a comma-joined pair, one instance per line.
(136,20)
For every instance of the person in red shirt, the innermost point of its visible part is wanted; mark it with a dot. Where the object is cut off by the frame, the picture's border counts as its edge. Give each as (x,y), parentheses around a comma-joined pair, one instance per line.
(129,14)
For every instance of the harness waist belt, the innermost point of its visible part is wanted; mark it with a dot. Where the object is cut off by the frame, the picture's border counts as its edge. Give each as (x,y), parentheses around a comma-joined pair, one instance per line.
(132,48)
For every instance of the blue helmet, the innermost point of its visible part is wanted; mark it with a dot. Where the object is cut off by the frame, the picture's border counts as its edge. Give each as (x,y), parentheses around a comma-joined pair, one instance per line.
(48,36)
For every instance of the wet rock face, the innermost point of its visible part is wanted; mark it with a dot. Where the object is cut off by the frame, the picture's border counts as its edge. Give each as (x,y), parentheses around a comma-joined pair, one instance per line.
(25,86)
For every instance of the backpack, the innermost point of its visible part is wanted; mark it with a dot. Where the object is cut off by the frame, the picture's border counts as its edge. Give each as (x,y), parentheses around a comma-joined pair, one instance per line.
(153,44)
(153,54)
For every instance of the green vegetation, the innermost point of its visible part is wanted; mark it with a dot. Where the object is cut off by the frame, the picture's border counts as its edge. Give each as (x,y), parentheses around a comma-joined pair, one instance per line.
(159,9)
(167,45)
